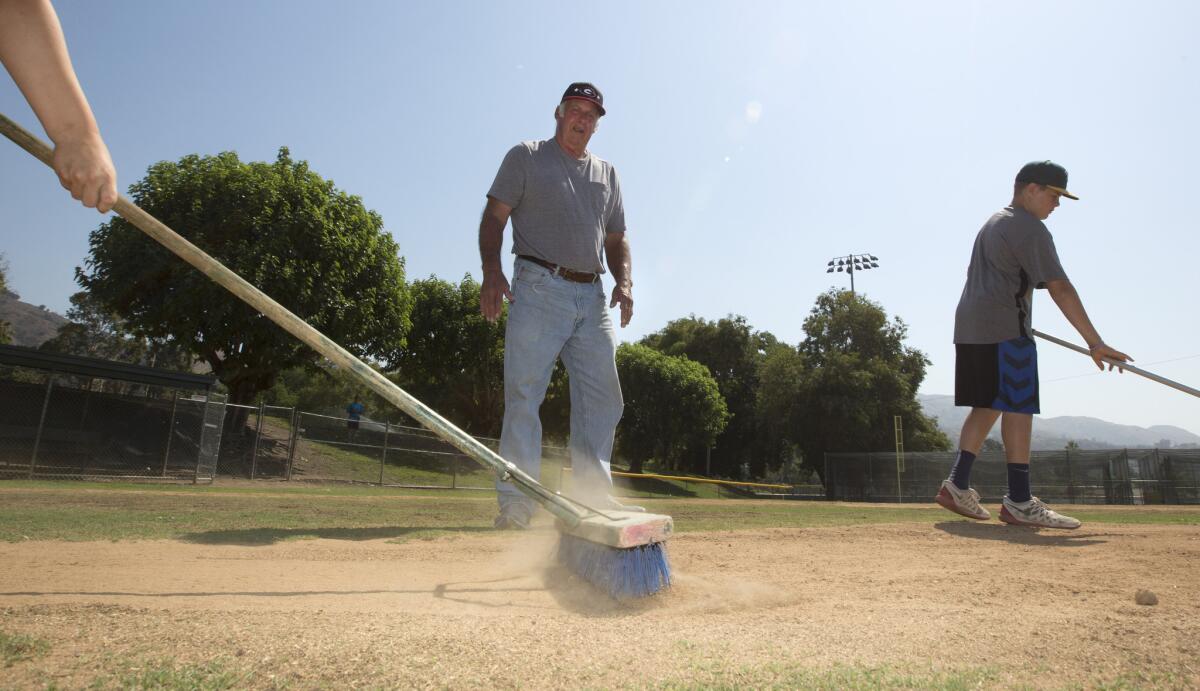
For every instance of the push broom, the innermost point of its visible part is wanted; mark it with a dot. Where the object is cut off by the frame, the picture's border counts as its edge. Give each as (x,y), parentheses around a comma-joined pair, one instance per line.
(1117,363)
(621,552)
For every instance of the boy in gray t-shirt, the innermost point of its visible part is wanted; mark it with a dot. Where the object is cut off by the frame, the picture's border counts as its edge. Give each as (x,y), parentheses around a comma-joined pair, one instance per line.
(995,356)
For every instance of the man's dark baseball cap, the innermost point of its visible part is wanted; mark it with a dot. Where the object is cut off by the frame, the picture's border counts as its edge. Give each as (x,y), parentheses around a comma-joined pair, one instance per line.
(584,91)
(1046,173)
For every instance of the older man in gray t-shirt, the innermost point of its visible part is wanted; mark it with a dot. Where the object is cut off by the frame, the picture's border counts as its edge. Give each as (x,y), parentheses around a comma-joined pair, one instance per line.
(568,222)
(995,369)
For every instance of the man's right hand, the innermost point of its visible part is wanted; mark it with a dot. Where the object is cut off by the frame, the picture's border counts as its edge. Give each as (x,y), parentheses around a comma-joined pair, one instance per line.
(492,294)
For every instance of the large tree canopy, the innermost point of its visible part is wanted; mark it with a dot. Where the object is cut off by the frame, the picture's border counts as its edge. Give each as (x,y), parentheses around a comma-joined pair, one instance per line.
(315,249)
(454,359)
(859,376)
(733,353)
(94,331)
(5,336)
(672,407)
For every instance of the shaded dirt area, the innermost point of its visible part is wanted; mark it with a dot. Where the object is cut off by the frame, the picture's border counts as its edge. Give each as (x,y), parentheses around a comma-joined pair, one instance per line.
(981,604)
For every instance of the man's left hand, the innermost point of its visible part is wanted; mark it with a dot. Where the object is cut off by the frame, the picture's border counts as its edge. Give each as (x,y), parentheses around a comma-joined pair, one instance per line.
(623,293)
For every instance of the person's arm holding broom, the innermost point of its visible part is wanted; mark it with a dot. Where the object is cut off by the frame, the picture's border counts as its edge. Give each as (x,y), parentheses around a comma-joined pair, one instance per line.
(34,52)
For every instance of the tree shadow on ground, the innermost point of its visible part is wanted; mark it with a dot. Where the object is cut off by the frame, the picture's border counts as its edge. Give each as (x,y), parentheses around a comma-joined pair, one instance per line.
(269,536)
(1038,537)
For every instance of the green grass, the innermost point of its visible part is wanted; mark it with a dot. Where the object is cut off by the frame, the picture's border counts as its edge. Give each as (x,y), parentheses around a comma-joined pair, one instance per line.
(267,512)
(170,676)
(326,461)
(837,678)
(708,674)
(69,511)
(15,647)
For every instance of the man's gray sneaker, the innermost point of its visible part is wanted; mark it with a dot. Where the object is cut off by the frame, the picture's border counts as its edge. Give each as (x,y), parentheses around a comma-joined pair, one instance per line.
(964,502)
(513,516)
(1036,514)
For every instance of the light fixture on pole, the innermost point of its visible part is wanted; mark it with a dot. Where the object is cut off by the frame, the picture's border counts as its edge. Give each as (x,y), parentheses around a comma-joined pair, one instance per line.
(851,263)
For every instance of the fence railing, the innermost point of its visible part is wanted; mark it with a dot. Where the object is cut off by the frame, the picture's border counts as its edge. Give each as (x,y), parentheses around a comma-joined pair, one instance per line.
(1108,476)
(273,442)
(55,425)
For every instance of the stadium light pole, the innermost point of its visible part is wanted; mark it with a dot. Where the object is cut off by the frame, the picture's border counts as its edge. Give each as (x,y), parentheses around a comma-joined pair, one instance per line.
(851,263)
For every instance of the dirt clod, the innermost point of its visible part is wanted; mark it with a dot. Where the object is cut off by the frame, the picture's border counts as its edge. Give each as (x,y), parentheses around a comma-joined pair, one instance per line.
(1146,597)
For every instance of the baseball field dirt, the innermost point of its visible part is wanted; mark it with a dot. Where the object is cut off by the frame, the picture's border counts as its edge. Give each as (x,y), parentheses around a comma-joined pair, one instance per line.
(942,604)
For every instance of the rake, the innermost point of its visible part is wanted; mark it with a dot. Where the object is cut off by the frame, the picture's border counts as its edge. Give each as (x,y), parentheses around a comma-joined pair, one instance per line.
(621,552)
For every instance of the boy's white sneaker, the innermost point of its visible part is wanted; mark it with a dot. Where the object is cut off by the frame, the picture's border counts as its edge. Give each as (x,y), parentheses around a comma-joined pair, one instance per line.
(1036,514)
(964,502)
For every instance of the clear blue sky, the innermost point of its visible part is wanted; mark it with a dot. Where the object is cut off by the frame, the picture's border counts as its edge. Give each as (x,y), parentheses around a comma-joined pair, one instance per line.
(755,141)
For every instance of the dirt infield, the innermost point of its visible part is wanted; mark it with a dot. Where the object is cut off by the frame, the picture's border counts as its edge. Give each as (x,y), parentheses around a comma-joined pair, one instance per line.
(952,604)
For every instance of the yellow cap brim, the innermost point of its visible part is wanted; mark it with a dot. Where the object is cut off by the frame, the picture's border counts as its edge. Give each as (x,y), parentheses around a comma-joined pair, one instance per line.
(1063,192)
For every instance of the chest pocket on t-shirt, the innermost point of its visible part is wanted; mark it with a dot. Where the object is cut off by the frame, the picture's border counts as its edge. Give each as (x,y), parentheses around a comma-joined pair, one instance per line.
(596,198)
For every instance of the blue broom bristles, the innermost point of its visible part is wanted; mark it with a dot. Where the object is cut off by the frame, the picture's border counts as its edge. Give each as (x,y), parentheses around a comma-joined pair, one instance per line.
(623,573)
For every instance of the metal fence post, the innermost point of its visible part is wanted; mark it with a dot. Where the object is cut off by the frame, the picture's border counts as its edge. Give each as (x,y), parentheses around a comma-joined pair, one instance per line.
(1070,479)
(205,426)
(387,427)
(37,438)
(828,479)
(294,441)
(454,471)
(257,438)
(1127,482)
(170,431)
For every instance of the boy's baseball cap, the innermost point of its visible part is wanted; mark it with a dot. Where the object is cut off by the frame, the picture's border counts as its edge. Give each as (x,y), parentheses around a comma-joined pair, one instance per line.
(584,91)
(1046,173)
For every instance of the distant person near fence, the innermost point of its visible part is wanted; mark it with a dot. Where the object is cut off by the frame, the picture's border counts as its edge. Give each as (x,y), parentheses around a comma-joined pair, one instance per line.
(354,413)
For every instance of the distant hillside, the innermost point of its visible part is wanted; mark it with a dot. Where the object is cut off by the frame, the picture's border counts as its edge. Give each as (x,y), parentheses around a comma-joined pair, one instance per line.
(1052,433)
(30,325)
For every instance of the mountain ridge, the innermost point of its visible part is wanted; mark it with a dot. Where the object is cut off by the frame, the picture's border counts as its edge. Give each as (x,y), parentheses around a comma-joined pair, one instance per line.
(30,325)
(1053,433)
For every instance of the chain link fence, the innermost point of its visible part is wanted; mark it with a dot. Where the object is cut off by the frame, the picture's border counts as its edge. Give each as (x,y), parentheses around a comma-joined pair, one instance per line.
(280,443)
(59,425)
(1116,476)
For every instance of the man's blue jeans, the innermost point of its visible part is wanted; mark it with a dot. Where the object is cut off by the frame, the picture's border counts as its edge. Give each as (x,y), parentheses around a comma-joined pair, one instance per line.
(551,317)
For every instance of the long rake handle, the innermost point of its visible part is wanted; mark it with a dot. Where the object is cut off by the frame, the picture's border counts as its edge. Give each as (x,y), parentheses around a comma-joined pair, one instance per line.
(1123,365)
(296,326)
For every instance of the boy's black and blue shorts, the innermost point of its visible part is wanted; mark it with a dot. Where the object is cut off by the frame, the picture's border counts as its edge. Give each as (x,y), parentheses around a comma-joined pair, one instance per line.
(1001,376)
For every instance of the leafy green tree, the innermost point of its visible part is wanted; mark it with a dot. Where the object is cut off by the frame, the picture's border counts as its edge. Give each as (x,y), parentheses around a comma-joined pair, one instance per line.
(454,360)
(673,408)
(991,445)
(315,249)
(5,334)
(328,391)
(861,375)
(733,353)
(783,374)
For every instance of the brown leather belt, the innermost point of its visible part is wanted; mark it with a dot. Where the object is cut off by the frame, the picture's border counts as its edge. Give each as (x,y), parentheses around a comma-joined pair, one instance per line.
(576,276)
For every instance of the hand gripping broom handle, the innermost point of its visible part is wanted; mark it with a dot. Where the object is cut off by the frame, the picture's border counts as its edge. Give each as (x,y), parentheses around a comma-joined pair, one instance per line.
(1123,365)
(296,326)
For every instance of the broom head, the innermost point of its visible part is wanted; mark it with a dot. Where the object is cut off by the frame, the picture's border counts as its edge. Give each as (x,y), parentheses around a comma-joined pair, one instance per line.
(622,552)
